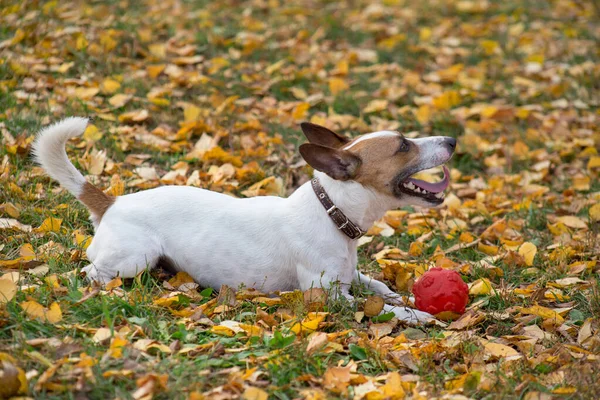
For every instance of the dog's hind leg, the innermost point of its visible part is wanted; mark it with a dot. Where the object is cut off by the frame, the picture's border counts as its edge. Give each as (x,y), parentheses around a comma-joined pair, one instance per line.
(111,255)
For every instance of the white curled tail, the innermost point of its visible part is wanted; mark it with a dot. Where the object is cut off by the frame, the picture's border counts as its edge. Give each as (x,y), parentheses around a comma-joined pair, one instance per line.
(49,151)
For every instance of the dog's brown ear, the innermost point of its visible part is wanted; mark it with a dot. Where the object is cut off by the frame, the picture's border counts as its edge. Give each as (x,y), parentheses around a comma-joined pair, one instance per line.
(320,135)
(338,164)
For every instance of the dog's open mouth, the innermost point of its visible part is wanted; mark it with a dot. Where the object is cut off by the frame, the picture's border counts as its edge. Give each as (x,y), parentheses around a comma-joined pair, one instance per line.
(431,192)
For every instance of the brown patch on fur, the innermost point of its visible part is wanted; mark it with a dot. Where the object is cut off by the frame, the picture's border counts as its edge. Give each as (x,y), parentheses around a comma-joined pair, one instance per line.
(95,200)
(382,162)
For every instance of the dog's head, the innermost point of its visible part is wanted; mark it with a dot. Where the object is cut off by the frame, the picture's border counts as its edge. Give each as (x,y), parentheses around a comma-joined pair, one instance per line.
(383,161)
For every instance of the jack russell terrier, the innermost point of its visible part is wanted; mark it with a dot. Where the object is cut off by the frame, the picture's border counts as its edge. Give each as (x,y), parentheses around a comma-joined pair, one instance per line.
(269,243)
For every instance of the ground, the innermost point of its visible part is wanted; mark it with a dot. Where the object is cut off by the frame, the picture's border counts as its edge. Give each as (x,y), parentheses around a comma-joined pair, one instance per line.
(211,94)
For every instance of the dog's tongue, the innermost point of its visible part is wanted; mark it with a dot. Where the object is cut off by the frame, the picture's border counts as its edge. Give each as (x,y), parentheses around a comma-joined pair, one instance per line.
(433,187)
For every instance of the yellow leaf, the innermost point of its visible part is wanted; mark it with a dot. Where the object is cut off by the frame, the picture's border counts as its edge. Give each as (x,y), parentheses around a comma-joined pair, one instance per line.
(336,85)
(252,330)
(116,346)
(151,346)
(160,101)
(107,41)
(218,154)
(392,41)
(180,278)
(480,287)
(52,281)
(86,93)
(466,237)
(489,46)
(544,313)
(222,330)
(267,187)
(594,162)
(119,100)
(565,390)
(166,301)
(115,283)
(155,70)
(101,335)
(50,224)
(446,100)
(191,113)
(488,249)
(425,34)
(536,58)
(158,50)
(467,320)
(134,116)
(81,42)
(572,222)
(8,289)
(10,209)
(300,111)
(54,313)
(499,350)
(18,37)
(109,86)
(309,324)
(393,388)
(33,309)
(342,67)
(254,393)
(581,183)
(92,133)
(82,240)
(299,93)
(557,229)
(595,212)
(13,380)
(423,114)
(416,249)
(528,250)
(117,186)
(489,111)
(376,106)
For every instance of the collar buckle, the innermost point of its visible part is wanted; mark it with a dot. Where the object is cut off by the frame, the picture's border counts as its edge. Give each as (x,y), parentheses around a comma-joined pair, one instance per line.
(340,219)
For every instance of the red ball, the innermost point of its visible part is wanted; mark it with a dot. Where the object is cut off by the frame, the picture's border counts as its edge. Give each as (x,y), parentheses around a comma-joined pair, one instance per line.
(440,290)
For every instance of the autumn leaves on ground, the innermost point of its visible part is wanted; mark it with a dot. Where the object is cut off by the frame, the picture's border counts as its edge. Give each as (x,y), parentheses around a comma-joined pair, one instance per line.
(211,94)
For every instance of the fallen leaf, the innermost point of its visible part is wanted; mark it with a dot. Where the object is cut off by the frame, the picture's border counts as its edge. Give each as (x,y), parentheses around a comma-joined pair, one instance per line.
(8,289)
(572,222)
(528,251)
(50,224)
(254,393)
(544,313)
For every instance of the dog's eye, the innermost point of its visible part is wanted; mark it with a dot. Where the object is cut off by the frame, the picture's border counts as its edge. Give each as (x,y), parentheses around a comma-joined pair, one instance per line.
(404,146)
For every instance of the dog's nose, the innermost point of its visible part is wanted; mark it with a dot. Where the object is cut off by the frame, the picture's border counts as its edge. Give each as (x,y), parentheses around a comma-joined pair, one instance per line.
(451,142)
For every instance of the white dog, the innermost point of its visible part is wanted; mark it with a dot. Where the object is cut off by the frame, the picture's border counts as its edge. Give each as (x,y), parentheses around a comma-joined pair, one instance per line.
(269,243)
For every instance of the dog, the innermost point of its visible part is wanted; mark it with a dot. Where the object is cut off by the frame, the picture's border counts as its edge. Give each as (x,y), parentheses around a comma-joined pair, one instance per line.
(269,243)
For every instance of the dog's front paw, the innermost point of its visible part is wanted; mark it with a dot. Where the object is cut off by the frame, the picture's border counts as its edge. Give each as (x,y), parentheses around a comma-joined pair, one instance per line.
(93,274)
(412,316)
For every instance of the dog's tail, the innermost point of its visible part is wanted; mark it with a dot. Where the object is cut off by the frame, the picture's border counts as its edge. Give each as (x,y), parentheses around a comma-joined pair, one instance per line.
(49,151)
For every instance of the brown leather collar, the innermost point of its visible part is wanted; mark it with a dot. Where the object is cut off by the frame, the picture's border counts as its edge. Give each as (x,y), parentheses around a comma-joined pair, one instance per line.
(349,228)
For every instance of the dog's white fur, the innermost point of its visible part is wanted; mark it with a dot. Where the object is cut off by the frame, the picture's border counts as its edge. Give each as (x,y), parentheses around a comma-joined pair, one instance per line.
(269,243)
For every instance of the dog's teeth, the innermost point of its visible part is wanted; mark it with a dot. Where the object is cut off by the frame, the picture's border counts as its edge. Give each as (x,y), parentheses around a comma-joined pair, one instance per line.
(425,191)
(410,185)
(439,195)
(417,190)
